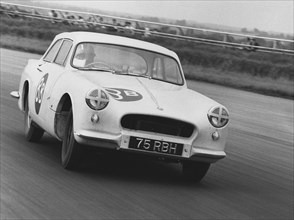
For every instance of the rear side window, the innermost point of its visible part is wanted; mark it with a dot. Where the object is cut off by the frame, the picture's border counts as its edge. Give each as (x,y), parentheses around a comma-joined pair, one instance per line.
(63,52)
(49,57)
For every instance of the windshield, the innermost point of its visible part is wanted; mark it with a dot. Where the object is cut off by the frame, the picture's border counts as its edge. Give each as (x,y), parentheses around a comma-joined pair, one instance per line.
(127,61)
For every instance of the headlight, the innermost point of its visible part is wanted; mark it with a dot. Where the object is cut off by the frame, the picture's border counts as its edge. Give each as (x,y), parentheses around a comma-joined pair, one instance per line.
(97,99)
(218,116)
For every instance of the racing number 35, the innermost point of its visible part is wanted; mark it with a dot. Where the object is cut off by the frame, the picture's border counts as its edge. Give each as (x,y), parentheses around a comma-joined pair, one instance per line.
(40,92)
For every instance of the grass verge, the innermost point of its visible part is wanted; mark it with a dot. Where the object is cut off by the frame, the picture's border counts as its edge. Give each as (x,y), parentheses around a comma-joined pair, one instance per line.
(31,45)
(279,87)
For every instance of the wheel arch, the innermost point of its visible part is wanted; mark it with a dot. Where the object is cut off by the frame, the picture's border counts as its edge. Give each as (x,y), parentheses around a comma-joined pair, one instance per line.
(25,94)
(61,115)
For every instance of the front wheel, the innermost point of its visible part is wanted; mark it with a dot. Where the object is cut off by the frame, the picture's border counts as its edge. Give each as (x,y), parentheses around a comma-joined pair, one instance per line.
(32,132)
(71,152)
(195,170)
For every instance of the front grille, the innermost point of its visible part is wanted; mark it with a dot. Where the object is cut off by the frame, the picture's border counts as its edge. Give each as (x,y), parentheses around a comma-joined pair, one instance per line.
(157,124)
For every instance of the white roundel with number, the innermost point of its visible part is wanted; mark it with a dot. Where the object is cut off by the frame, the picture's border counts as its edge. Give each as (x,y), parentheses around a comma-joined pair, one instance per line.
(124,95)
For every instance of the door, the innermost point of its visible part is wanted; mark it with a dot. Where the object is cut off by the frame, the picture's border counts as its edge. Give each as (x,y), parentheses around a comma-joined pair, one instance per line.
(51,68)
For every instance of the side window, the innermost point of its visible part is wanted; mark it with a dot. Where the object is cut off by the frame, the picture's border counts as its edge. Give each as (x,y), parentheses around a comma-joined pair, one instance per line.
(52,52)
(63,52)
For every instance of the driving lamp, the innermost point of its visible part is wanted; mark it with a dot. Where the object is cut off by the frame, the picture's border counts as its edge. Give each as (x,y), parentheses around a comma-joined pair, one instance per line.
(215,136)
(94,118)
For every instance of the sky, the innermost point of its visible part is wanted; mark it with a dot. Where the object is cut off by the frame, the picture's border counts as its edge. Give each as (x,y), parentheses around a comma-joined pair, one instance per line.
(275,15)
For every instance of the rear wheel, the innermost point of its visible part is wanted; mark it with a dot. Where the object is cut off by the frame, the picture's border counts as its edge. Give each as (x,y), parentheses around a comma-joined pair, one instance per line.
(71,152)
(195,170)
(32,132)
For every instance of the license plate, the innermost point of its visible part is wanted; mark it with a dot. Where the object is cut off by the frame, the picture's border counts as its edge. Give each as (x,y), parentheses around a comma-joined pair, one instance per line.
(164,147)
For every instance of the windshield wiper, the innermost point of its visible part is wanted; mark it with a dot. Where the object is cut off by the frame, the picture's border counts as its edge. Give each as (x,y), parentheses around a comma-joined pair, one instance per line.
(138,75)
(97,69)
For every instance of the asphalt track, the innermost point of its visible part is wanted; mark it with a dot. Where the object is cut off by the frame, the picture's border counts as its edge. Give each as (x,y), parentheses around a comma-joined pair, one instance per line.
(255,181)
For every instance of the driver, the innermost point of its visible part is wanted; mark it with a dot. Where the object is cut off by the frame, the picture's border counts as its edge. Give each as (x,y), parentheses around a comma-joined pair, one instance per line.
(84,55)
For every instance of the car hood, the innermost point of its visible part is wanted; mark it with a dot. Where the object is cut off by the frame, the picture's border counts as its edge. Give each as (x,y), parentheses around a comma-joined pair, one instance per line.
(131,94)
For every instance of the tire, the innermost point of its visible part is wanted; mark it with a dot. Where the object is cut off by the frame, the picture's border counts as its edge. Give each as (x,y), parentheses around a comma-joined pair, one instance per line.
(71,152)
(195,170)
(32,131)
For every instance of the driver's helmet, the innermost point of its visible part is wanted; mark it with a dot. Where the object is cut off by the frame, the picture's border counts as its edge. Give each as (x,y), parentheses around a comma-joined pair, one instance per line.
(84,55)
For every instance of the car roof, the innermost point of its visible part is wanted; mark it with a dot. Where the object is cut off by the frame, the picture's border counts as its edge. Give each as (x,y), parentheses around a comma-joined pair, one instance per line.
(79,36)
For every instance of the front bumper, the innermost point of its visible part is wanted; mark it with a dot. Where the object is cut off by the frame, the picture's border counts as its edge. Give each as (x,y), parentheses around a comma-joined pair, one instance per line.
(121,142)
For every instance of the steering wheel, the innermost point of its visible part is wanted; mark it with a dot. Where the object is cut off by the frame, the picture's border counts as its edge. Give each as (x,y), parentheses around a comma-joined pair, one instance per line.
(101,63)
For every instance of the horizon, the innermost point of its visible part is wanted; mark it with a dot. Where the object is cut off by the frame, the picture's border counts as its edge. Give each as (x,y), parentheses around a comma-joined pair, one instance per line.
(269,16)
(273,17)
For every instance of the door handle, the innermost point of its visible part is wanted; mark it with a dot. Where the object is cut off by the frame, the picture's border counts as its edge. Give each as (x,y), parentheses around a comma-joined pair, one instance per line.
(39,67)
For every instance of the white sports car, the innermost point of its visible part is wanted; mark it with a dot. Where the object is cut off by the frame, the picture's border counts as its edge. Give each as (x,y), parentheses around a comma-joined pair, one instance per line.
(120,94)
